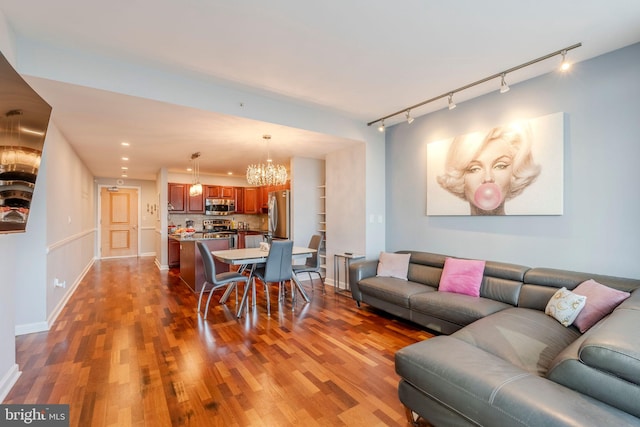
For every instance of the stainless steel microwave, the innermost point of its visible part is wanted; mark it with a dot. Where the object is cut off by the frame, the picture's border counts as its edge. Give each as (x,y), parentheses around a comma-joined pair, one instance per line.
(219,206)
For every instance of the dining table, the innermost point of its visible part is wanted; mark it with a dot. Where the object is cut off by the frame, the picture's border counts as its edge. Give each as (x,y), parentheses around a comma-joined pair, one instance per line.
(252,257)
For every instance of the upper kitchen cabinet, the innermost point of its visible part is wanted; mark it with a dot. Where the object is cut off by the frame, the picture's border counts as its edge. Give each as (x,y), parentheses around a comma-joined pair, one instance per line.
(251,203)
(195,204)
(177,197)
(219,192)
(238,195)
(181,201)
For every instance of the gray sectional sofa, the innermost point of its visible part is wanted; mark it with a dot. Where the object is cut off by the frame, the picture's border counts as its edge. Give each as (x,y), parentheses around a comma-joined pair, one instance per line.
(498,359)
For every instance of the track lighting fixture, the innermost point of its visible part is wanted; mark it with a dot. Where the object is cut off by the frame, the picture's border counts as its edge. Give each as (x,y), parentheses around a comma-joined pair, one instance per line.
(503,85)
(409,118)
(564,65)
(451,104)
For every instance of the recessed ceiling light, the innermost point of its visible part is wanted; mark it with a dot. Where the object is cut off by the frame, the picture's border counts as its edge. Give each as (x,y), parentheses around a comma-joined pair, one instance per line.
(124,175)
(124,168)
(229,173)
(189,169)
(125,158)
(124,144)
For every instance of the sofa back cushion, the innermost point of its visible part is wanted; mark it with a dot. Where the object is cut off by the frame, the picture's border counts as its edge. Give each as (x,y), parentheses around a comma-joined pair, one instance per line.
(501,281)
(541,283)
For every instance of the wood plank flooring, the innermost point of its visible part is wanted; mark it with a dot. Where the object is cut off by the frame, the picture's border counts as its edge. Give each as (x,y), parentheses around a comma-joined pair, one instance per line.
(129,349)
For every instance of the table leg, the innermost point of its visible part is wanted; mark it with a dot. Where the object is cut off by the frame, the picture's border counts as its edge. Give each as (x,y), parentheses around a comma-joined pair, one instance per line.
(299,287)
(227,292)
(347,287)
(336,274)
(249,285)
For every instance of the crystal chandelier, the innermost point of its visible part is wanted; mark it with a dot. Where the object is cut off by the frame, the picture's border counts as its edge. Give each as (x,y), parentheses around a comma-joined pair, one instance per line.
(196,187)
(266,174)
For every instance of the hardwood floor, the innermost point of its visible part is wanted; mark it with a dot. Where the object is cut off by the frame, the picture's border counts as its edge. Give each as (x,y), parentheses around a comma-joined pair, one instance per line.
(130,349)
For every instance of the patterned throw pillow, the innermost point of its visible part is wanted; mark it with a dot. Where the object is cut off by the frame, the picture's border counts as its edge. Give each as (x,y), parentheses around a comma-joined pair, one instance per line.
(564,306)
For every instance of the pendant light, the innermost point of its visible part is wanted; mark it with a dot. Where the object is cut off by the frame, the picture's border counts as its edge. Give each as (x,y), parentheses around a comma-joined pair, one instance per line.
(263,174)
(196,187)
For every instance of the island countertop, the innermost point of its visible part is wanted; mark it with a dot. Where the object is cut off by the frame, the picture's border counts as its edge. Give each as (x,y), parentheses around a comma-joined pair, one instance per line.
(201,236)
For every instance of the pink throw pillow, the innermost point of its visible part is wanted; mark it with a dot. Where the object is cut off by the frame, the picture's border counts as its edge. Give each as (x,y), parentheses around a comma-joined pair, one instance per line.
(601,300)
(462,276)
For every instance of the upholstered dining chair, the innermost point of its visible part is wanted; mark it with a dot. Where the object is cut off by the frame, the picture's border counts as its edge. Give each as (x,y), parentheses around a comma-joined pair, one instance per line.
(312,264)
(251,241)
(277,269)
(215,281)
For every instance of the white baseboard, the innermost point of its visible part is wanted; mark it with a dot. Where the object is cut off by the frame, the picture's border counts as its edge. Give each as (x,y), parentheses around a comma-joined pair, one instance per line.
(160,266)
(31,328)
(8,381)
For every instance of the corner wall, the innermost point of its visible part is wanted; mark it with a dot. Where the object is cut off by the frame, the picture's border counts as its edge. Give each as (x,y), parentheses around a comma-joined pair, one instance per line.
(598,232)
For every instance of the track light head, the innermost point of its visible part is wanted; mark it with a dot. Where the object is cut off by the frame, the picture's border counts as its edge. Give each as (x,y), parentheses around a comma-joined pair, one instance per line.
(409,118)
(451,104)
(564,65)
(381,127)
(504,87)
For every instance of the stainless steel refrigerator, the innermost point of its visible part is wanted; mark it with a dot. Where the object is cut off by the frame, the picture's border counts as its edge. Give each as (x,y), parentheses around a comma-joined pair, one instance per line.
(279,214)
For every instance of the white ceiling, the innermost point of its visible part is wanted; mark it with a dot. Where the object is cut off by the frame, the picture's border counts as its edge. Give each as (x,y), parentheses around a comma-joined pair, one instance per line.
(363,58)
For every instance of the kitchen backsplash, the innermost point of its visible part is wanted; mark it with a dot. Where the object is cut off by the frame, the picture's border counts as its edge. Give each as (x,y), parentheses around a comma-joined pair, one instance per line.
(256,222)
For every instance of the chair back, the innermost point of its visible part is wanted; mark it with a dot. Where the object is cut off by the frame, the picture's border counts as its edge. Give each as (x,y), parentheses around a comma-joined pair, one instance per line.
(253,240)
(209,263)
(278,265)
(314,260)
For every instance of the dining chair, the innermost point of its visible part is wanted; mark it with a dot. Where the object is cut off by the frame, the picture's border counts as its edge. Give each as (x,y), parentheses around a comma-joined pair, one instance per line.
(312,264)
(215,281)
(277,268)
(251,241)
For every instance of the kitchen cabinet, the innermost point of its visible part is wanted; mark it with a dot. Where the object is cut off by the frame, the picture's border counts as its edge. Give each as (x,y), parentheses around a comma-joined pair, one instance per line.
(174,253)
(177,197)
(191,265)
(238,195)
(195,204)
(251,203)
(219,192)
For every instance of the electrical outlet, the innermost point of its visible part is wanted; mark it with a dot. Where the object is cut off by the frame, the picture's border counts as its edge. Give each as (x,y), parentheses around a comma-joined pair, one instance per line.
(59,283)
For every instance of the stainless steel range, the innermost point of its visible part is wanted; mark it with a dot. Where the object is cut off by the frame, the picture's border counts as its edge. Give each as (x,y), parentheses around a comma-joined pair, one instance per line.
(215,225)
(219,228)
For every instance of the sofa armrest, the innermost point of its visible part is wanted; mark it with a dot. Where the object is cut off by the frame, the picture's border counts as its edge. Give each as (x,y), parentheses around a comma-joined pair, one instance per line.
(361,270)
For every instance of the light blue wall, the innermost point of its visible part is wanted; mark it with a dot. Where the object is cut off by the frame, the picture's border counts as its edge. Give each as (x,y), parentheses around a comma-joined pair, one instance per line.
(599,231)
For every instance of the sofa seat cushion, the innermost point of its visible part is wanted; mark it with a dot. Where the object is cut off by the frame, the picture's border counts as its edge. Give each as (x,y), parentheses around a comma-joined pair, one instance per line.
(455,308)
(529,339)
(487,390)
(392,290)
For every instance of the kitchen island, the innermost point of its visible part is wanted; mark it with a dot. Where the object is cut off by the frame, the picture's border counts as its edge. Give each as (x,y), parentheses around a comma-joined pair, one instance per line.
(191,266)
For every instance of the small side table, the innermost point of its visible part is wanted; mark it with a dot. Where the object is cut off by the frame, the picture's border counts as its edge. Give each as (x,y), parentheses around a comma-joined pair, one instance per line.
(347,258)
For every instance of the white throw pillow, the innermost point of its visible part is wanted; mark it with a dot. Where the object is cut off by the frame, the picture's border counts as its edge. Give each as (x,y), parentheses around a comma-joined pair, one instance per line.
(564,306)
(393,265)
